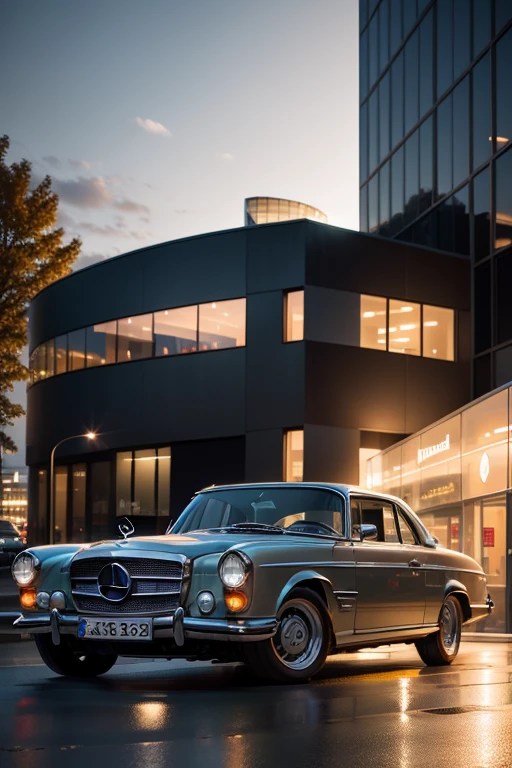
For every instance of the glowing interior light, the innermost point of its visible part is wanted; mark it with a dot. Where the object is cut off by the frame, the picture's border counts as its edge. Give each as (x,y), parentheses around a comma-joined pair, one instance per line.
(406,309)
(500,139)
(166,312)
(409,327)
(214,306)
(487,434)
(430,323)
(129,321)
(381,330)
(368,314)
(144,328)
(500,429)
(402,340)
(392,330)
(434,351)
(381,341)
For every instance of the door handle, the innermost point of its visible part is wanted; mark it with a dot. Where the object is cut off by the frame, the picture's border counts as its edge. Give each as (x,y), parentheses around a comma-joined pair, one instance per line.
(414,563)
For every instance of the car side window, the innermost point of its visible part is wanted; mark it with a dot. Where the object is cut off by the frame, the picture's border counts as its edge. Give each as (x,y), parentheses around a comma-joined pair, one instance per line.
(406,532)
(381,515)
(355,518)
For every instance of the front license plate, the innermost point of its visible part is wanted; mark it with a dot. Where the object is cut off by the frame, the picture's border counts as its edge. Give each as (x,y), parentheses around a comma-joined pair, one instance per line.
(116,629)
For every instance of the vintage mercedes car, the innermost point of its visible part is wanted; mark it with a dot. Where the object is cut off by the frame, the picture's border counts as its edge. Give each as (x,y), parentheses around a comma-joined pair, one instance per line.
(276,575)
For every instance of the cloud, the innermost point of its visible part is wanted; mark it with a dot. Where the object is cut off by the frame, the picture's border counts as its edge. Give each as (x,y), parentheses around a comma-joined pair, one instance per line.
(144,219)
(84,193)
(226,156)
(108,230)
(181,211)
(53,161)
(130,206)
(79,163)
(151,126)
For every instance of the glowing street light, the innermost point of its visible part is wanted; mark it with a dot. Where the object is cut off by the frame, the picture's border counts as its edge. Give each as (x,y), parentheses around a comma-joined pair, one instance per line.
(89,436)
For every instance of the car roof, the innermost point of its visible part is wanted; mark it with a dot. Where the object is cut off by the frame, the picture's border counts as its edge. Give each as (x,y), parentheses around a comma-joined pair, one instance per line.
(337,487)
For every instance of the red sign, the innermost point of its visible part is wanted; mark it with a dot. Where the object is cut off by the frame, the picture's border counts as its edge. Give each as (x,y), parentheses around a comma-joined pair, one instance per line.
(455,532)
(488,537)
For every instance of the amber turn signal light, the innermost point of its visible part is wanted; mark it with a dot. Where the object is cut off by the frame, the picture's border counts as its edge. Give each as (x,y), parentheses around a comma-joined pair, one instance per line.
(28,598)
(236,601)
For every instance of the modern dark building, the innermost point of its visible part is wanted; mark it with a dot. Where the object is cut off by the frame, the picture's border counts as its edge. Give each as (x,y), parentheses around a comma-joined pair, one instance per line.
(284,351)
(436,153)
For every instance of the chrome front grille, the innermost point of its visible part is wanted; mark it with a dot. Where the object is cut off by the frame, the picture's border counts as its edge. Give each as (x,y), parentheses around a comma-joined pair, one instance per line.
(156,586)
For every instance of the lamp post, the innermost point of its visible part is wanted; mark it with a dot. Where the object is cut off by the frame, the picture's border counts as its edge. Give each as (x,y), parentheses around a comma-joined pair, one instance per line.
(89,436)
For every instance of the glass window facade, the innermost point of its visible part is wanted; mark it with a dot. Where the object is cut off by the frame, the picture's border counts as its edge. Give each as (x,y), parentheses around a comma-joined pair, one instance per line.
(176,331)
(134,338)
(212,326)
(101,344)
(396,326)
(294,456)
(457,476)
(294,316)
(444,93)
(268,210)
(222,325)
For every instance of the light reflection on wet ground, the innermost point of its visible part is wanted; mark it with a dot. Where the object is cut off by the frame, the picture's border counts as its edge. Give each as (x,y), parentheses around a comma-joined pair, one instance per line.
(379,708)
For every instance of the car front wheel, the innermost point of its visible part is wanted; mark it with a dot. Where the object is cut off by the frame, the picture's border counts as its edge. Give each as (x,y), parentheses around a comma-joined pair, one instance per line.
(442,647)
(65,661)
(299,648)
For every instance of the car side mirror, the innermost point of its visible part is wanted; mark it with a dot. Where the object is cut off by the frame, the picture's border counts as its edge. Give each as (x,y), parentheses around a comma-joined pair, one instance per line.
(367,531)
(125,527)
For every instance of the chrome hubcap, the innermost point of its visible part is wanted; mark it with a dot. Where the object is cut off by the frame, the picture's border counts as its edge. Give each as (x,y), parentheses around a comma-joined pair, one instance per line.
(449,628)
(299,638)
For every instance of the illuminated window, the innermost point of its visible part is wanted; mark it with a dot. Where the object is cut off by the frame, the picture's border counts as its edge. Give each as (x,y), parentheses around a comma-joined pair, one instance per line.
(76,350)
(404,327)
(135,338)
(438,333)
(294,455)
(176,331)
(61,354)
(222,325)
(294,316)
(101,344)
(373,322)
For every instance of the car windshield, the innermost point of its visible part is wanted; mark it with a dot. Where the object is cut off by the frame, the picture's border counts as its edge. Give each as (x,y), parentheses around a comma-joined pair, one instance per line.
(299,510)
(7,528)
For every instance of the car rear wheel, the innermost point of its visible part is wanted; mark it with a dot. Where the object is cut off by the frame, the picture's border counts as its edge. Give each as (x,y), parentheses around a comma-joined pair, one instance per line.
(65,661)
(300,646)
(442,647)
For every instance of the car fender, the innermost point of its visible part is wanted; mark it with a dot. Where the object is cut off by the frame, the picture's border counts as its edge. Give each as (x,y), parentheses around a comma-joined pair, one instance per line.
(458,590)
(305,576)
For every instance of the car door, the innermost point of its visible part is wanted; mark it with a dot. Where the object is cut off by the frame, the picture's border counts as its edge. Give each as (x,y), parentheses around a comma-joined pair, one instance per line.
(390,584)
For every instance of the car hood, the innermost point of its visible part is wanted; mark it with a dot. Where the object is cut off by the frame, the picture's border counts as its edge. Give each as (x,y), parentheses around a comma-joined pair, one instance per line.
(194,544)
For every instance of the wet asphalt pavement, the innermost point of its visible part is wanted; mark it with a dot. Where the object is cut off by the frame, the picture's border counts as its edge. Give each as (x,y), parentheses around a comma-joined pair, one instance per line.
(375,708)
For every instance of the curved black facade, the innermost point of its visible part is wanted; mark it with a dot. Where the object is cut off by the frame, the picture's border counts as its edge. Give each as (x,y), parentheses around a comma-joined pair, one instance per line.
(222,413)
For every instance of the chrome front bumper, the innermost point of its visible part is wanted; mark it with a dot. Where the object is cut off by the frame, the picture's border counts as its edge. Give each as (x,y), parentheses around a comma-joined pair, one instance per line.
(178,626)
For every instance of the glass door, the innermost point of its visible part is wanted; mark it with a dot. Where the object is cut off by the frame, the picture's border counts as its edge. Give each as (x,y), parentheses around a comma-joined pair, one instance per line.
(485,539)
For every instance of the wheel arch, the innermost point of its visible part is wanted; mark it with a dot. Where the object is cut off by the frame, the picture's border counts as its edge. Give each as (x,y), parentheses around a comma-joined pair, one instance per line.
(321,585)
(458,590)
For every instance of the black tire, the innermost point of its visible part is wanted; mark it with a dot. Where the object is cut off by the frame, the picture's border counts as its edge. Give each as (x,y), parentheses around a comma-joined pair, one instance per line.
(441,647)
(305,614)
(64,661)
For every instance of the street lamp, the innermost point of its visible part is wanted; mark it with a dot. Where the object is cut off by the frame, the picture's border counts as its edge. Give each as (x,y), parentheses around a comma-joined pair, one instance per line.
(89,436)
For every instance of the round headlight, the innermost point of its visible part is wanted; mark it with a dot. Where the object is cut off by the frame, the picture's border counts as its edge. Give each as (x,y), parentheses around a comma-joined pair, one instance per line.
(24,569)
(233,571)
(205,602)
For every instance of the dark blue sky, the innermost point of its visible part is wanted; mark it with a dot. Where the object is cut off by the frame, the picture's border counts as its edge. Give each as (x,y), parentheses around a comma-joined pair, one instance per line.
(156,118)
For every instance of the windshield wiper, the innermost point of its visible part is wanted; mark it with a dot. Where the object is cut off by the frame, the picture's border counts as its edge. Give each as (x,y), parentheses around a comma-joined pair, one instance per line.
(249,527)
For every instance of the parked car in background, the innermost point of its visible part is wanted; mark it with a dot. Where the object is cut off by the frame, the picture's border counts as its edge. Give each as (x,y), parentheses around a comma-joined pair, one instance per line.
(11,542)
(277,576)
